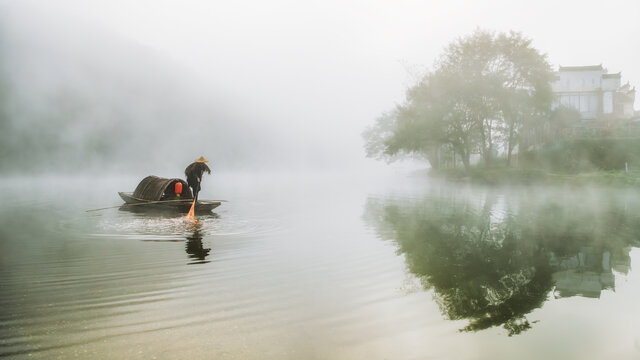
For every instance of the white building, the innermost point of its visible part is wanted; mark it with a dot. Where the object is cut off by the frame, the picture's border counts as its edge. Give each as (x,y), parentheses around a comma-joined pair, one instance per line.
(593,92)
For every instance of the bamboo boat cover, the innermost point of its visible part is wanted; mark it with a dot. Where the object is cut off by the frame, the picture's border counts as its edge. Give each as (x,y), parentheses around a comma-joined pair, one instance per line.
(155,188)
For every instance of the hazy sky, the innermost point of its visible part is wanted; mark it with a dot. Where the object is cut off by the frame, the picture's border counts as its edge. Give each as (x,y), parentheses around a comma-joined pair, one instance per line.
(316,43)
(328,68)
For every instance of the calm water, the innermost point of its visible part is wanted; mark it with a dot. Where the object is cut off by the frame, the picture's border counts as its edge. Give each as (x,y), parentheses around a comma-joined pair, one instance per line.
(321,267)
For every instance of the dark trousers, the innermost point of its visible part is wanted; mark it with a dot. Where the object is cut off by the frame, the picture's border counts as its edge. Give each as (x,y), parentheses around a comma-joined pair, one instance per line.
(196,190)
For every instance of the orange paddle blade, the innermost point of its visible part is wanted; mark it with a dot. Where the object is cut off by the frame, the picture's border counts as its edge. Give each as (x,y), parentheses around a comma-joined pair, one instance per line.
(191,213)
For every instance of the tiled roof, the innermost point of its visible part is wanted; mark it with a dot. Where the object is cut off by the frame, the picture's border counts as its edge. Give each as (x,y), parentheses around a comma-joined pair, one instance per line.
(610,76)
(582,68)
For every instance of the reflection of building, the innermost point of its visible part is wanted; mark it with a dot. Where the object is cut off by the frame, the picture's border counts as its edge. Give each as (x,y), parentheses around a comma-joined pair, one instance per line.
(586,274)
(583,283)
(593,92)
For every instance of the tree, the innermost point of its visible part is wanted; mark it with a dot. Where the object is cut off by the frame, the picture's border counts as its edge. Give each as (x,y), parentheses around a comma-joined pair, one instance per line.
(468,65)
(526,91)
(482,84)
(429,119)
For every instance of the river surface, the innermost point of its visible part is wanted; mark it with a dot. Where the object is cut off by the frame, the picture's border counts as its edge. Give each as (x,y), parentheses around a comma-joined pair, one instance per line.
(320,267)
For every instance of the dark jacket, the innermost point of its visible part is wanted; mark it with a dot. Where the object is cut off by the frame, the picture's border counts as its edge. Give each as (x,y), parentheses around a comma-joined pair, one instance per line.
(194,173)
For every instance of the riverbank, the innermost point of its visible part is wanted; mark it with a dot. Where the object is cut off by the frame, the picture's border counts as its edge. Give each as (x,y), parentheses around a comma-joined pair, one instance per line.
(524,176)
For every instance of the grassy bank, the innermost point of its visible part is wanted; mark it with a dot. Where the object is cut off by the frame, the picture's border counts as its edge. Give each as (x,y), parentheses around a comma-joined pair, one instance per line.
(523,176)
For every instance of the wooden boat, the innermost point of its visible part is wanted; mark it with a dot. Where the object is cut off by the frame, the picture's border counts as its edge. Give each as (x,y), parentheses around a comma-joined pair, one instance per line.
(155,193)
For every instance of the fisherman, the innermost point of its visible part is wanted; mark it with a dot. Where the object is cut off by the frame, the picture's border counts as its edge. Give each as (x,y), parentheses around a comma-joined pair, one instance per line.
(194,174)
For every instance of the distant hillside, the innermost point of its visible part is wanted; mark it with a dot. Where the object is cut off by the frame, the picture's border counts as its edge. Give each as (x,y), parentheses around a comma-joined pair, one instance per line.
(77,98)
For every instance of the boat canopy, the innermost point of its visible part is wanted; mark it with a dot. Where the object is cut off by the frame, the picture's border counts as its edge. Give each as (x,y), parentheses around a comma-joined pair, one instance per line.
(155,188)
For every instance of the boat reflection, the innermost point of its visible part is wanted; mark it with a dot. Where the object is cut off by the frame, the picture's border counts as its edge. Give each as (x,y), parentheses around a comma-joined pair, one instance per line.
(493,259)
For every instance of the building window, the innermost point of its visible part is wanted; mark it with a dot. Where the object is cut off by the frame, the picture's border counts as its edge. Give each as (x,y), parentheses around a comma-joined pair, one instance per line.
(575,102)
(593,103)
(584,104)
(607,102)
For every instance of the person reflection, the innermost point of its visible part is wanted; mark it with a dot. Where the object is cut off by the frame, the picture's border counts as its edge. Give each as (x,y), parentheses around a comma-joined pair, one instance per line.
(196,251)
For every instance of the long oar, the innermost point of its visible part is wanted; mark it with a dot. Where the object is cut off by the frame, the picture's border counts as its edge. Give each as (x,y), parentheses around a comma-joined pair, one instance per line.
(146,203)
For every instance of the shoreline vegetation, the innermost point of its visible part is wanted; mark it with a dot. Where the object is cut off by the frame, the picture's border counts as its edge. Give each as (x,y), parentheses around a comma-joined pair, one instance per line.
(502,175)
(601,160)
(487,113)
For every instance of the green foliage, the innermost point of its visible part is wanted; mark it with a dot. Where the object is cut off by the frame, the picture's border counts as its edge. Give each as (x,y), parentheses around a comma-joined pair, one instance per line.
(564,117)
(491,262)
(602,178)
(482,84)
(582,155)
(375,137)
(499,174)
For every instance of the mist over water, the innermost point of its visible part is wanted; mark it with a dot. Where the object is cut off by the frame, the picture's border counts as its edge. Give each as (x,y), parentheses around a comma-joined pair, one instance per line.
(77,94)
(321,266)
(316,252)
(80,97)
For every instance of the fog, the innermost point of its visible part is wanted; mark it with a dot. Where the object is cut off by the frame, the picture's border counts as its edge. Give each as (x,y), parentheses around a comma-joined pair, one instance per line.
(148,86)
(313,250)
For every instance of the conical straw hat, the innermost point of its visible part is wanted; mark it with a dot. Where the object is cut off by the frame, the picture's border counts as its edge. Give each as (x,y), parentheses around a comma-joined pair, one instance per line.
(201,159)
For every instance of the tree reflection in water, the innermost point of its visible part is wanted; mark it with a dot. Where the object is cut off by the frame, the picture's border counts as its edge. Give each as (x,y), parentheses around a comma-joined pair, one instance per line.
(494,259)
